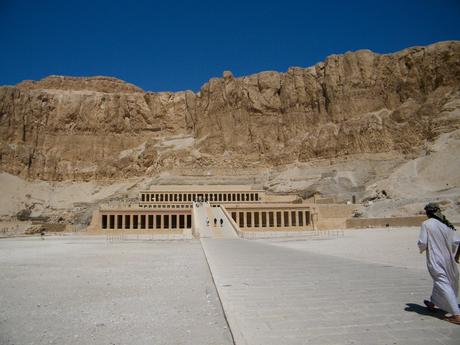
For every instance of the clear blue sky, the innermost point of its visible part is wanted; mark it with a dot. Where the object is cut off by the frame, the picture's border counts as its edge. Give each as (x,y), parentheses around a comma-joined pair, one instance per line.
(178,45)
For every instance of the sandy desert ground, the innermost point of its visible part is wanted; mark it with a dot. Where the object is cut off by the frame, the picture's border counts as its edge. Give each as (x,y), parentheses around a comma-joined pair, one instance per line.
(79,290)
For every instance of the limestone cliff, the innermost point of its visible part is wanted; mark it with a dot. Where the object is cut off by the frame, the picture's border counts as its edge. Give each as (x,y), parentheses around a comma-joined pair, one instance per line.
(99,128)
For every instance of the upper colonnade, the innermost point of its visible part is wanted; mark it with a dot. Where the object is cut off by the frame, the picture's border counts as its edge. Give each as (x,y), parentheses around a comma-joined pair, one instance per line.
(189,194)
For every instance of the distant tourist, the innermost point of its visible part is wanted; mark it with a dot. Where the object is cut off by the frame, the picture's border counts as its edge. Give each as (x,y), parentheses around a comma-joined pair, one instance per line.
(221,222)
(215,221)
(207,221)
(42,234)
(437,239)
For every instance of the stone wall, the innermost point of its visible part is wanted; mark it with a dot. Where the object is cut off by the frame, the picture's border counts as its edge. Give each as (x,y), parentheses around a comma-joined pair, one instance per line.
(384,222)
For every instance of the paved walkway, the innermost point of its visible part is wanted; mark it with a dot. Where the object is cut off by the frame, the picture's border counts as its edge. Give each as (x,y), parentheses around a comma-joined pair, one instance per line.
(277,295)
(84,290)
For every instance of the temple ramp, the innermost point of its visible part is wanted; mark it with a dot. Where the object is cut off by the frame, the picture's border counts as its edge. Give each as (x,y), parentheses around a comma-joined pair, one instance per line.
(226,228)
(200,217)
(214,223)
(203,217)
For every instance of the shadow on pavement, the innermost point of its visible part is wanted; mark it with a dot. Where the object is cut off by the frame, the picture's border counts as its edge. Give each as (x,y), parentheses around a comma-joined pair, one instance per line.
(422,310)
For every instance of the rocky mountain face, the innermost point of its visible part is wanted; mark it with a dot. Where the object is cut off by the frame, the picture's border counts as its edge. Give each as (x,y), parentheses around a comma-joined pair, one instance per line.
(67,128)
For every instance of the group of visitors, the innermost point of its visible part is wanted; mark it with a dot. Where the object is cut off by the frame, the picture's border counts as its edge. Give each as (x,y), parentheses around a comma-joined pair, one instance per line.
(221,222)
(442,253)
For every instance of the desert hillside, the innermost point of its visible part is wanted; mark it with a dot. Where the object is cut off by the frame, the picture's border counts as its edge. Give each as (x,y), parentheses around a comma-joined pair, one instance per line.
(356,124)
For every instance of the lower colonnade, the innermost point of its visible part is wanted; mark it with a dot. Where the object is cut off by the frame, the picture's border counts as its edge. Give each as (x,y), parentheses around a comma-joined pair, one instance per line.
(279,219)
(144,220)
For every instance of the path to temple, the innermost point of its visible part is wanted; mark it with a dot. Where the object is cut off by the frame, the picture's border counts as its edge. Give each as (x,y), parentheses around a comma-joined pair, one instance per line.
(207,222)
(277,294)
(365,288)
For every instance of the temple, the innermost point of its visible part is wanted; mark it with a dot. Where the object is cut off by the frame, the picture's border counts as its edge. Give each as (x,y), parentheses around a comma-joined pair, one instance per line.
(188,208)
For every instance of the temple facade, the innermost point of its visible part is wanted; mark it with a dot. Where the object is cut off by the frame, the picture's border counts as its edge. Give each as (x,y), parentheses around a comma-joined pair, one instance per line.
(173,208)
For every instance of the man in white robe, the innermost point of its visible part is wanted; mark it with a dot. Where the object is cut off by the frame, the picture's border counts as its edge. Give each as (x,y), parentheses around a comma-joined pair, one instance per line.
(437,239)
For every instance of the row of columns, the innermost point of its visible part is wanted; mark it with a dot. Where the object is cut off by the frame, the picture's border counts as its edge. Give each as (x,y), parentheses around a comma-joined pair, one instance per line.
(184,197)
(165,206)
(271,218)
(146,221)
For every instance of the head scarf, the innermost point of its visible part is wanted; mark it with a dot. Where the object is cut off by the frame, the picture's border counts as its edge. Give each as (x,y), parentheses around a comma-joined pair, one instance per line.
(433,211)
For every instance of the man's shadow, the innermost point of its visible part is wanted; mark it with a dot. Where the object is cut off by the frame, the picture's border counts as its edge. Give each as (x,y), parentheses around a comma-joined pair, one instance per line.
(422,310)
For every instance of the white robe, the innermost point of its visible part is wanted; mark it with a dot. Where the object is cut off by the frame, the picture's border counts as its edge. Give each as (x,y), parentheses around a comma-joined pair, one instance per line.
(438,241)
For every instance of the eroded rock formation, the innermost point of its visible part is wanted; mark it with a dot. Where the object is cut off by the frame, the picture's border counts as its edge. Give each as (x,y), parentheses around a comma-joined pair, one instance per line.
(63,128)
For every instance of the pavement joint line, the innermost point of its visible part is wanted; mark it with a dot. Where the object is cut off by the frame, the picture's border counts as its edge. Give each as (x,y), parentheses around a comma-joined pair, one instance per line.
(218,294)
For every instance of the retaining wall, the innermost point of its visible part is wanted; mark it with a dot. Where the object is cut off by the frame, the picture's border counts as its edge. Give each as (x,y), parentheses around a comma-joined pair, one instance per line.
(384,222)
